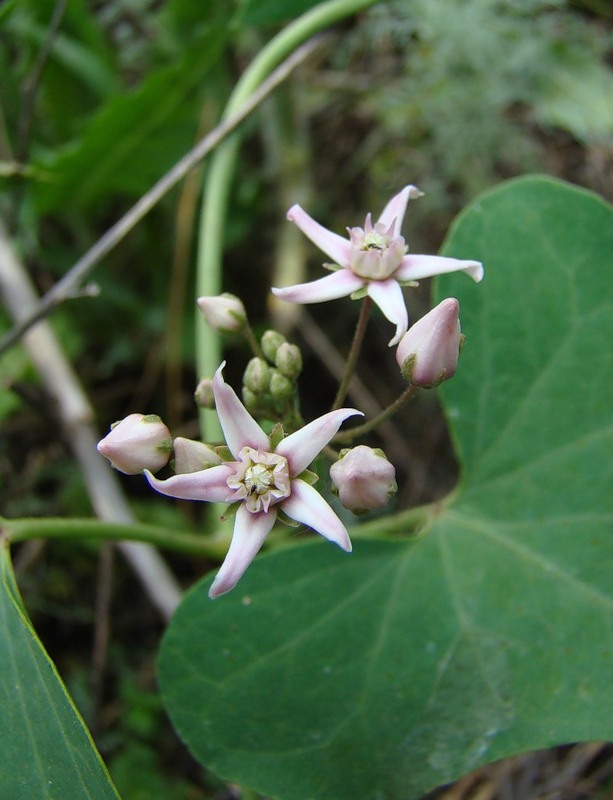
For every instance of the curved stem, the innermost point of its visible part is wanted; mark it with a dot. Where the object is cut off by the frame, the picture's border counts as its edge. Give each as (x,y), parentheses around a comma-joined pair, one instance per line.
(356,346)
(20,530)
(345,437)
(253,343)
(219,176)
(407,523)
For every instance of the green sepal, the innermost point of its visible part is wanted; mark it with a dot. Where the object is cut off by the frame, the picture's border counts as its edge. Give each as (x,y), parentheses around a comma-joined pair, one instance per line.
(276,435)
(359,294)
(151,418)
(282,517)
(230,511)
(308,476)
(408,365)
(165,446)
(224,452)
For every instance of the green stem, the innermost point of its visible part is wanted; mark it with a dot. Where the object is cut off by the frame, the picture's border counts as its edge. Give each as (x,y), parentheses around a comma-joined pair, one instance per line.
(253,343)
(345,437)
(20,530)
(356,346)
(220,173)
(407,523)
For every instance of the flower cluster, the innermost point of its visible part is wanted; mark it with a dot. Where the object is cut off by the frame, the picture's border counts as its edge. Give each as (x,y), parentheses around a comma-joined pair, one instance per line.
(264,477)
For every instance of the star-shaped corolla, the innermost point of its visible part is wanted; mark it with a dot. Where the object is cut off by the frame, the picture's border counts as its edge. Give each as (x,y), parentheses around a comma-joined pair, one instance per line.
(375,259)
(263,479)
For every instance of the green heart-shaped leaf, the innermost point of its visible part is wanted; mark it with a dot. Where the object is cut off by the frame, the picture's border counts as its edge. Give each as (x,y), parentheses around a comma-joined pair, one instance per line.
(382,674)
(46,752)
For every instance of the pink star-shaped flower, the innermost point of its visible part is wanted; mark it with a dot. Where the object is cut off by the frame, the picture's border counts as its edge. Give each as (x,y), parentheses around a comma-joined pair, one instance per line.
(374,258)
(263,479)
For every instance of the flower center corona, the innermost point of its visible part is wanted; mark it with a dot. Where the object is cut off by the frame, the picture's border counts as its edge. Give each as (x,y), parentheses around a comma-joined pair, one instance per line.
(374,241)
(261,479)
(375,253)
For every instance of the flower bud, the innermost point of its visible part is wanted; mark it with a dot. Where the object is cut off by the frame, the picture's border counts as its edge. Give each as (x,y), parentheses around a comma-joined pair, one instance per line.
(256,377)
(289,360)
(251,400)
(224,312)
(281,388)
(270,342)
(192,456)
(136,443)
(428,352)
(203,395)
(363,478)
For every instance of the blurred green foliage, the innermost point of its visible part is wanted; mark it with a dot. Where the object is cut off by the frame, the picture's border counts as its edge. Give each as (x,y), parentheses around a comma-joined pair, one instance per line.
(461,95)
(134,763)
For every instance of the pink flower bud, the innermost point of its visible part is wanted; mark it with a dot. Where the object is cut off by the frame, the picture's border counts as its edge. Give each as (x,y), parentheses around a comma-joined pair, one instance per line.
(363,478)
(192,456)
(136,443)
(428,352)
(224,313)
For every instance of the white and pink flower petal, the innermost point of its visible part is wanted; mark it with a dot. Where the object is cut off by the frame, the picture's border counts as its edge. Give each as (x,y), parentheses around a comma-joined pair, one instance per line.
(301,447)
(239,427)
(341,283)
(306,505)
(394,211)
(335,246)
(388,296)
(416,267)
(250,530)
(206,484)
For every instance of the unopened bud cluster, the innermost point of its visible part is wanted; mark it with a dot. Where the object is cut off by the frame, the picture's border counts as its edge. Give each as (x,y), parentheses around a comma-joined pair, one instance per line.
(269,383)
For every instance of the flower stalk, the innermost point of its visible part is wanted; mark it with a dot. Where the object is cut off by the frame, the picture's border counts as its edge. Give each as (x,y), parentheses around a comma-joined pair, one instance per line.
(352,358)
(24,529)
(348,436)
